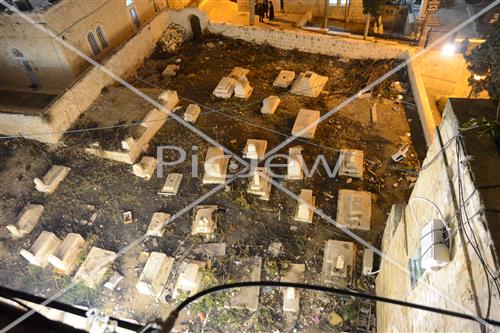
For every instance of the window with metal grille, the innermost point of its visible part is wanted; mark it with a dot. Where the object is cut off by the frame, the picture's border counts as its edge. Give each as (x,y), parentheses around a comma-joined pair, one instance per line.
(102,38)
(93,43)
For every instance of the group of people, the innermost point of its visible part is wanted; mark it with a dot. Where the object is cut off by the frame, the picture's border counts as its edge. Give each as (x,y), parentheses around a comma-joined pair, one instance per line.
(265,8)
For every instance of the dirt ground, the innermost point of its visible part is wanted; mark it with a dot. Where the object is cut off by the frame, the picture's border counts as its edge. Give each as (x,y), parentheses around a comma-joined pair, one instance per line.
(246,224)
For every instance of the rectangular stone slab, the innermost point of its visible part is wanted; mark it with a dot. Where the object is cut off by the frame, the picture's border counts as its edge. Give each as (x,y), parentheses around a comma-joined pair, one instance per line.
(94,267)
(63,259)
(172,184)
(333,250)
(248,298)
(155,274)
(354,209)
(27,219)
(304,213)
(284,79)
(156,227)
(192,113)
(291,296)
(189,281)
(270,104)
(303,120)
(215,166)
(352,163)
(41,249)
(52,178)
(260,148)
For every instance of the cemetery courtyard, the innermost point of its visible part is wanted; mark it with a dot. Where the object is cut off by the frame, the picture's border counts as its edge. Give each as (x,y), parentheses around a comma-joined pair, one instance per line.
(92,198)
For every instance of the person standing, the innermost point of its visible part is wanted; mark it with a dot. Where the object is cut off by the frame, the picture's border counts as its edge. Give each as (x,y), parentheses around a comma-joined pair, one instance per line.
(259,11)
(271,10)
(282,6)
(265,7)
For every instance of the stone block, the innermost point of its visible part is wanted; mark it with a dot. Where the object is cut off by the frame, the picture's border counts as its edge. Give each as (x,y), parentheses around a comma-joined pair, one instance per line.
(305,123)
(157,225)
(238,72)
(225,88)
(145,168)
(171,70)
(294,164)
(305,212)
(354,209)
(255,149)
(155,274)
(52,178)
(94,267)
(171,185)
(367,261)
(248,298)
(169,99)
(260,184)
(270,104)
(64,258)
(204,222)
(352,163)
(215,166)
(26,221)
(192,113)
(41,249)
(309,84)
(284,79)
(291,296)
(338,262)
(189,281)
(243,89)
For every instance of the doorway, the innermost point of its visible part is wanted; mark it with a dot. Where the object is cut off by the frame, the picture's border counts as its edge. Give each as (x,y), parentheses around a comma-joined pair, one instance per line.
(195,27)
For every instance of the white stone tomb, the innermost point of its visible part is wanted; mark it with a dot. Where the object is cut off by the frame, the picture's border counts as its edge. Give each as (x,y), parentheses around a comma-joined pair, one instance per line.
(215,166)
(52,178)
(284,79)
(255,149)
(305,123)
(354,209)
(46,244)
(26,221)
(260,184)
(305,212)
(270,104)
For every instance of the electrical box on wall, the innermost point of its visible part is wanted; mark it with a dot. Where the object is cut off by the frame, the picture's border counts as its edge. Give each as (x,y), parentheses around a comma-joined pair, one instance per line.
(435,253)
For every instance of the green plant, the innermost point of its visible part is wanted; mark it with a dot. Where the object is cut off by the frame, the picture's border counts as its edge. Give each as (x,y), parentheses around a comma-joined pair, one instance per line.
(483,125)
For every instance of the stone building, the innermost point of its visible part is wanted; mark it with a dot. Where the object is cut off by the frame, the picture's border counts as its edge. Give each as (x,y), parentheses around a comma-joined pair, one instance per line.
(32,60)
(458,180)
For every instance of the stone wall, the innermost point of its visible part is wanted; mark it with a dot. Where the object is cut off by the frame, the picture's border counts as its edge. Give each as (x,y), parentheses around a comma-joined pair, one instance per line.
(61,114)
(460,285)
(311,42)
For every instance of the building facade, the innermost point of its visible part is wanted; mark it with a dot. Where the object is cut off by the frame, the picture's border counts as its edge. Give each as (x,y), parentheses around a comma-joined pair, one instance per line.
(32,60)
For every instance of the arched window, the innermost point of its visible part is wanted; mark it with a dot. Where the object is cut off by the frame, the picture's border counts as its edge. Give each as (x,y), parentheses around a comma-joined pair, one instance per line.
(93,43)
(129,2)
(17,53)
(102,37)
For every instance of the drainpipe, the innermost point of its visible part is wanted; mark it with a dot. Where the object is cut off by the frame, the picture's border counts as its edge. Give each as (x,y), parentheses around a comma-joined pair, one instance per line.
(325,14)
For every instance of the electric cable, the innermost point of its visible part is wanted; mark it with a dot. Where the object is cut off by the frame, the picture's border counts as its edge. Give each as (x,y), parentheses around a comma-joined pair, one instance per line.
(169,323)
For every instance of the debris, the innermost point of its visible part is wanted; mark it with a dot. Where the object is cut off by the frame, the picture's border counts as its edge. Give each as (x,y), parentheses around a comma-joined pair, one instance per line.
(171,185)
(171,70)
(212,250)
(275,249)
(248,298)
(93,217)
(64,258)
(270,104)
(41,249)
(354,209)
(215,166)
(305,206)
(294,165)
(374,113)
(255,149)
(305,123)
(52,178)
(127,217)
(309,84)
(210,45)
(145,168)
(154,275)
(401,153)
(284,79)
(157,225)
(172,38)
(349,180)
(334,319)
(27,219)
(365,95)
(192,113)
(113,281)
(95,266)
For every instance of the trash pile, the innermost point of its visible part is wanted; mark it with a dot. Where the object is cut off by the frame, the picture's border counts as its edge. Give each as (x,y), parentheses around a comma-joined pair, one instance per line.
(172,38)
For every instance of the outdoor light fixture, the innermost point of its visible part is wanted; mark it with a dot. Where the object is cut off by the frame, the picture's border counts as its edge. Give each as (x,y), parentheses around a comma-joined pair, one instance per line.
(448,50)
(479,77)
